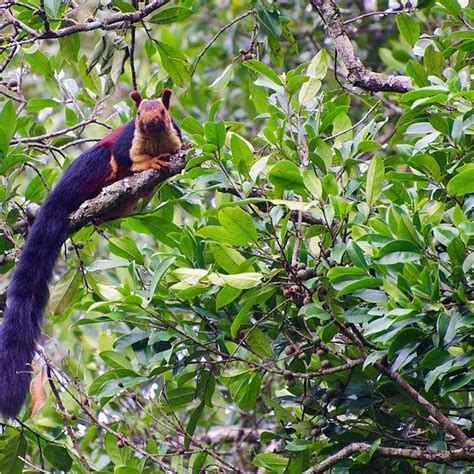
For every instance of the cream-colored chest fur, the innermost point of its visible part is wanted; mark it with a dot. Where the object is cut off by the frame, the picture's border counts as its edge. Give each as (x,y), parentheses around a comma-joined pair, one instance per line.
(144,147)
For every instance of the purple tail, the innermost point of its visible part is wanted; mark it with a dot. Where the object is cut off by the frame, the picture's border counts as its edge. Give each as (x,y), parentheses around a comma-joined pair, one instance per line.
(28,289)
(27,298)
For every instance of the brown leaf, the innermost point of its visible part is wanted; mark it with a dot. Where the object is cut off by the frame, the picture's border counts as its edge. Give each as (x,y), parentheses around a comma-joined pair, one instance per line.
(37,391)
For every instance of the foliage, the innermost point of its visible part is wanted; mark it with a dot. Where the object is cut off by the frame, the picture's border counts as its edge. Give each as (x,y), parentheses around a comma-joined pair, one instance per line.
(318,236)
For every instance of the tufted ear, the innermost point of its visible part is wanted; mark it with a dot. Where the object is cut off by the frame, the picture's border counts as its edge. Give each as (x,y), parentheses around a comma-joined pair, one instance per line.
(165,97)
(136,97)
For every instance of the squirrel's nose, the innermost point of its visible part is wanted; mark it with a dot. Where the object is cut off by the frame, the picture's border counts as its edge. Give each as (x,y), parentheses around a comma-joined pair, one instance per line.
(153,126)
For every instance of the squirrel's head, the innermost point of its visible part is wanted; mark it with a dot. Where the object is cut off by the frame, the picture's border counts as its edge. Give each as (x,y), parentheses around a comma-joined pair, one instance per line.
(153,114)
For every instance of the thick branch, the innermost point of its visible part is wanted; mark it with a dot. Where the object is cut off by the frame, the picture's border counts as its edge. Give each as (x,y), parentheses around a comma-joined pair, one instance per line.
(435,412)
(112,197)
(442,457)
(111,22)
(357,73)
(120,192)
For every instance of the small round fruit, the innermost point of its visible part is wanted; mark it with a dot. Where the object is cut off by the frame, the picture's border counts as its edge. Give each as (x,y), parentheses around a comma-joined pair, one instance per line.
(289,349)
(288,375)
(322,290)
(301,355)
(331,393)
(325,364)
(307,400)
(301,266)
(302,274)
(315,432)
(320,353)
(286,293)
(321,423)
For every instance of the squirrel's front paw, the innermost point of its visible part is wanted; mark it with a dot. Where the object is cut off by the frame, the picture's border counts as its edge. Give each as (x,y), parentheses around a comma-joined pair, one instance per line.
(159,162)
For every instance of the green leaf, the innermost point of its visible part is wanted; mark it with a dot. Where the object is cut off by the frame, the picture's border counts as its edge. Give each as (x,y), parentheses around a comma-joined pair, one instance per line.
(263,69)
(356,255)
(228,258)
(116,360)
(64,292)
(221,81)
(462,183)
(181,396)
(170,15)
(375,175)
(58,456)
(125,247)
(274,462)
(242,281)
(39,62)
(258,342)
(7,125)
(312,183)
(398,251)
(239,224)
(415,70)
(37,104)
(286,175)
(215,133)
(174,63)
(360,284)
(191,125)
(13,453)
(452,6)
(244,387)
(242,150)
(270,20)
(409,28)
(52,8)
(158,274)
(192,423)
(226,296)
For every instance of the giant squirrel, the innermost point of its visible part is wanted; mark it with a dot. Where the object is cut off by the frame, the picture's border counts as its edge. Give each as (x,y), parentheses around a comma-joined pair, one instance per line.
(143,143)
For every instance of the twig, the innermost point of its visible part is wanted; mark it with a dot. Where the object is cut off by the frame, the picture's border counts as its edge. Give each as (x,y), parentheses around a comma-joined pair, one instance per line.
(64,416)
(362,120)
(387,12)
(443,420)
(216,36)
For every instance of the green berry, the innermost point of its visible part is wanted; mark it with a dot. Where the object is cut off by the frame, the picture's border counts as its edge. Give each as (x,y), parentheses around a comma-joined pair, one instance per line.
(302,274)
(325,364)
(307,400)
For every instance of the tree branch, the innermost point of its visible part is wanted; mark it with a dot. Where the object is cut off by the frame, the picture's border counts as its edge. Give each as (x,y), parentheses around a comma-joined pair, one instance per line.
(112,22)
(442,457)
(357,73)
(112,197)
(435,412)
(116,194)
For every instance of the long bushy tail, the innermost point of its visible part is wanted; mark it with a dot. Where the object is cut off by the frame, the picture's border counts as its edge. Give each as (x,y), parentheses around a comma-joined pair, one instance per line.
(27,298)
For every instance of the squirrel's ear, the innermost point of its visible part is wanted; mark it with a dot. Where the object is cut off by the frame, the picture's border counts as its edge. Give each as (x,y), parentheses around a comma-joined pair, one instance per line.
(136,97)
(165,97)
